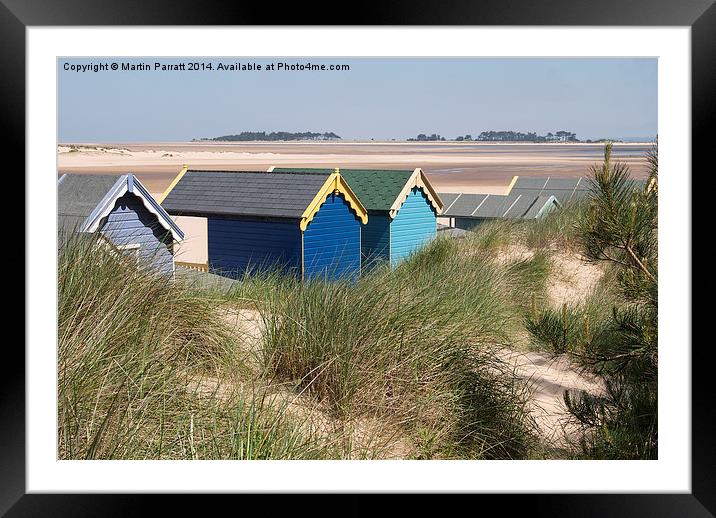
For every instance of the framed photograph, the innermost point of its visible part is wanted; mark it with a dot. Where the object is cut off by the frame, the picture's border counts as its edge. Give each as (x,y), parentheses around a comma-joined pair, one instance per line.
(416,253)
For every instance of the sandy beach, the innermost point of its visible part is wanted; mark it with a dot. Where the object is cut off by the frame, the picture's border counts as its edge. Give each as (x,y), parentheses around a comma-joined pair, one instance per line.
(468,167)
(451,166)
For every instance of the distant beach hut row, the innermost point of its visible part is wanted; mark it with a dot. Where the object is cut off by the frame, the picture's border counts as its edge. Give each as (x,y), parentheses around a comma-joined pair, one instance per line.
(526,197)
(565,190)
(467,211)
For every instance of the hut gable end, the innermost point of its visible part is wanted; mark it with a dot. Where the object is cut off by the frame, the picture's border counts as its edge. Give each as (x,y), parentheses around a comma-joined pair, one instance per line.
(130,226)
(331,240)
(414,226)
(120,209)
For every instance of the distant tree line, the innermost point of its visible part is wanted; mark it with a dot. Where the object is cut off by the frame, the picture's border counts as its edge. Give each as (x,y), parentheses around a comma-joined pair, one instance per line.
(485,136)
(502,136)
(422,137)
(602,141)
(275,135)
(517,136)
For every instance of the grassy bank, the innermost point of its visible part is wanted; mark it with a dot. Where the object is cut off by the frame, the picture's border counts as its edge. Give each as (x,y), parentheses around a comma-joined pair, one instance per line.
(135,350)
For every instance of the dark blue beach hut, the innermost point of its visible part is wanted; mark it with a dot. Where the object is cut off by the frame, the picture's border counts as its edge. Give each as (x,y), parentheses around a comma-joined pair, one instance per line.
(402,207)
(122,212)
(308,224)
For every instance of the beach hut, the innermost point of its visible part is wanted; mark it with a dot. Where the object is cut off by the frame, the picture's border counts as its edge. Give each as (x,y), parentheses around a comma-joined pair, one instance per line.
(565,190)
(402,210)
(308,224)
(122,212)
(466,211)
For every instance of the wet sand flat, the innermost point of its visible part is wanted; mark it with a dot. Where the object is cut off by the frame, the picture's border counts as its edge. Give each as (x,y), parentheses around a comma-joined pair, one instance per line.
(468,167)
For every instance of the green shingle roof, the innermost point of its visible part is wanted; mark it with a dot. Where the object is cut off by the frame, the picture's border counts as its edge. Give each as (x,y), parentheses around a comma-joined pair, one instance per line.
(377,189)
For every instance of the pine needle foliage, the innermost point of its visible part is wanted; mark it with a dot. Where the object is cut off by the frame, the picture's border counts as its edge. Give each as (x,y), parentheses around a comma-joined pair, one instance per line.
(620,227)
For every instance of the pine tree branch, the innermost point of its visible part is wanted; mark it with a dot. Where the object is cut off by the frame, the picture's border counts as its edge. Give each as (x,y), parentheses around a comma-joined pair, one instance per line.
(638,262)
(615,260)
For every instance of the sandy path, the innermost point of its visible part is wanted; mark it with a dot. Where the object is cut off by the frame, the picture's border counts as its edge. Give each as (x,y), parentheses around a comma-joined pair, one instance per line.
(571,281)
(547,378)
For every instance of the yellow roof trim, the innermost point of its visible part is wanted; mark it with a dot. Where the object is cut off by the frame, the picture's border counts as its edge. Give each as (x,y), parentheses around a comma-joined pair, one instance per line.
(512,184)
(417,179)
(183,171)
(335,182)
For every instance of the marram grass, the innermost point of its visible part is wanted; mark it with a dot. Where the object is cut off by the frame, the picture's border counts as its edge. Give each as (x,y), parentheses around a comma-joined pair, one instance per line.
(413,346)
(132,345)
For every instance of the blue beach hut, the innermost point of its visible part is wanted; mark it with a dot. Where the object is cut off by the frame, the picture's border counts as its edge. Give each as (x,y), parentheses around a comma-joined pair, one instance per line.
(308,224)
(402,207)
(122,211)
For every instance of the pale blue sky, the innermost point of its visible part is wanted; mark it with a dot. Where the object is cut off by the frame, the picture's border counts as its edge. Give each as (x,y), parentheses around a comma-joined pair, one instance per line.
(378,98)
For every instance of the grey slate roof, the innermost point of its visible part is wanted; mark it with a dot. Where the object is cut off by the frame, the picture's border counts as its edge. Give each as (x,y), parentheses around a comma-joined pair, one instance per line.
(77,197)
(514,206)
(463,204)
(448,198)
(539,203)
(566,190)
(244,193)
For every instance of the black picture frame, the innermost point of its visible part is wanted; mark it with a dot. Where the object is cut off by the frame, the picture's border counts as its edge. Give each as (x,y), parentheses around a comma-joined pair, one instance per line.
(700,15)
